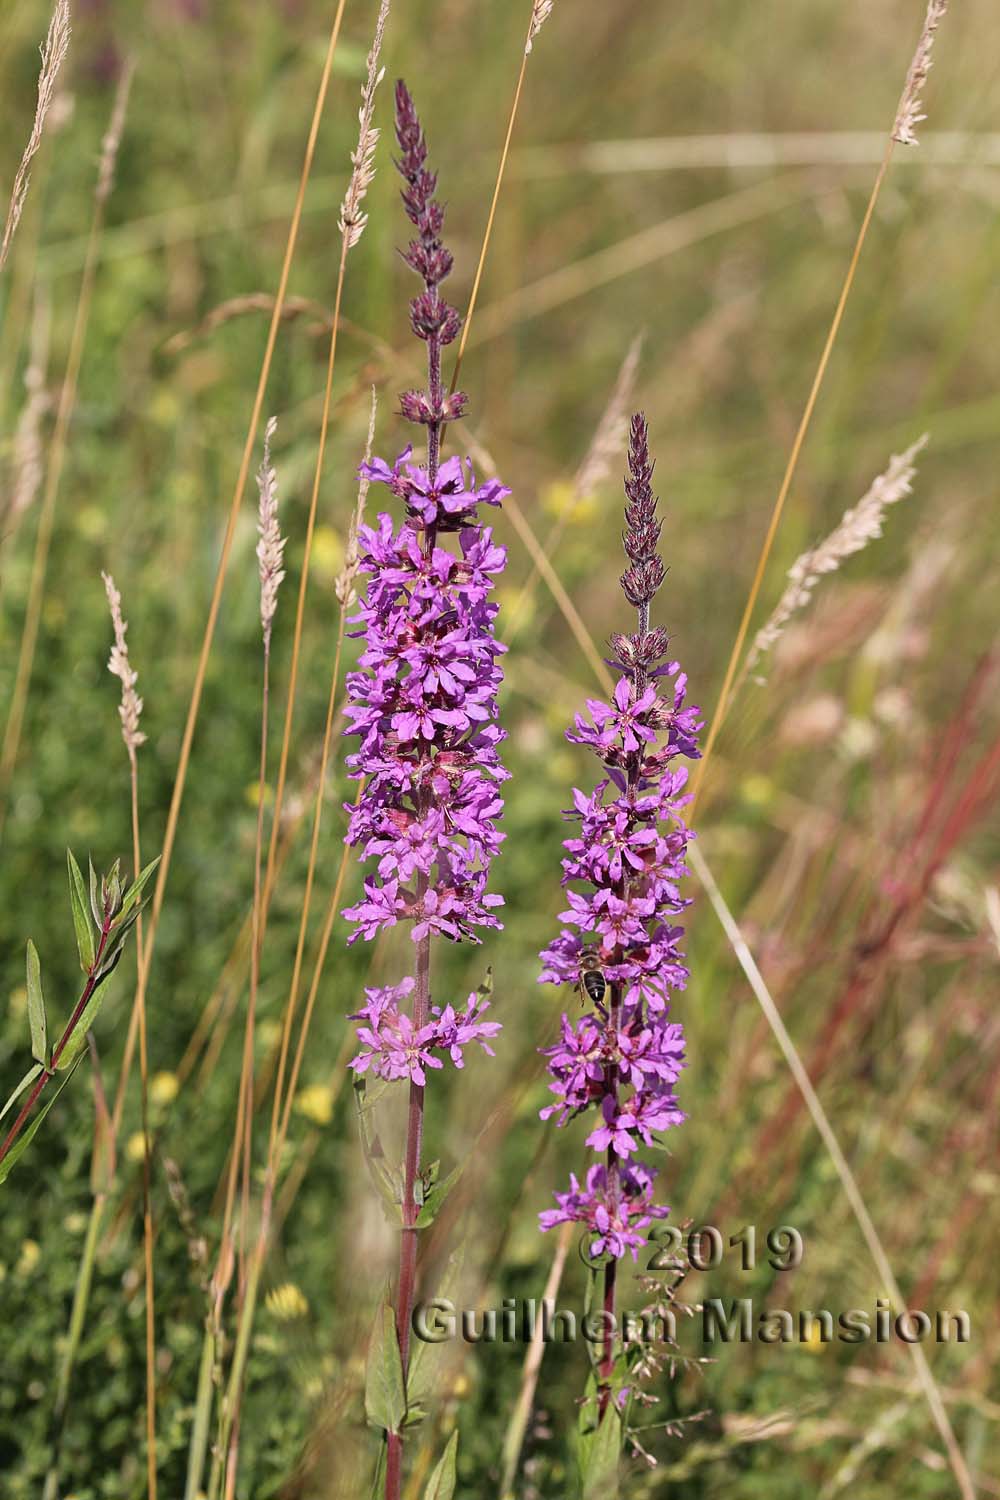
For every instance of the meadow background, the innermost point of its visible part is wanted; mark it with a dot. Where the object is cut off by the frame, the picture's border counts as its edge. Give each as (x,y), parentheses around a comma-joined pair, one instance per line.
(849,812)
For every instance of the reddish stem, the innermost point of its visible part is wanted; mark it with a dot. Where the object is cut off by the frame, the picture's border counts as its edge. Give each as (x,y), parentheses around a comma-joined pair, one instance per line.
(47,1074)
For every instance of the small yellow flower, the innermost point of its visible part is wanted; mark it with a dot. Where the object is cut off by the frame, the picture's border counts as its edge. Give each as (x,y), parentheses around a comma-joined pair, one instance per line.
(316,1103)
(30,1256)
(758,791)
(327,552)
(814,1338)
(135,1146)
(18,1002)
(286,1302)
(268,1033)
(559,498)
(252,793)
(163,1088)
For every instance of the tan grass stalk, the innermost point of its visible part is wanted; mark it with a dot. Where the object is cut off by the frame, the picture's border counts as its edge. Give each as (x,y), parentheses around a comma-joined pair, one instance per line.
(540,11)
(57,454)
(332,910)
(194,705)
(129,711)
(28,465)
(514,1440)
(54,51)
(344,592)
(848,1181)
(270,550)
(902,129)
(352,223)
(857,527)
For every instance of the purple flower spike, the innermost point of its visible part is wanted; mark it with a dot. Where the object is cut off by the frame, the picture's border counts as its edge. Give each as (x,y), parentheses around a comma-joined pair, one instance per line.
(423,700)
(619,944)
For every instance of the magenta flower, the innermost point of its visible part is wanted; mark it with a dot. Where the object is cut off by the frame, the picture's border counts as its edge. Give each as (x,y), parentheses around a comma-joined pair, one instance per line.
(622,874)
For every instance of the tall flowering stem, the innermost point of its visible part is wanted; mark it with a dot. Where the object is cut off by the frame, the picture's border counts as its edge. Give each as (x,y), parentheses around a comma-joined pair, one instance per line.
(619,944)
(424,704)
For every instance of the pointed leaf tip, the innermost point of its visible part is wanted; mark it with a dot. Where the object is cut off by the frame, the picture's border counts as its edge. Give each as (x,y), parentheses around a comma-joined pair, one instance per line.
(79,901)
(441,1485)
(36,1007)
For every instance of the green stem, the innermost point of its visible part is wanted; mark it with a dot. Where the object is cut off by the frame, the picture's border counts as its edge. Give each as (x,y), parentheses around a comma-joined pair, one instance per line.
(231,1399)
(81,1298)
(202,1417)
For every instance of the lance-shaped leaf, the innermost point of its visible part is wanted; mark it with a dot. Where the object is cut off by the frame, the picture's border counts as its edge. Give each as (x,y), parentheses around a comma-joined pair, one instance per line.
(135,890)
(421,1377)
(95,897)
(599,1453)
(385,1396)
(441,1485)
(36,1007)
(81,915)
(24,1140)
(29,1077)
(434,1195)
(70,1054)
(388,1183)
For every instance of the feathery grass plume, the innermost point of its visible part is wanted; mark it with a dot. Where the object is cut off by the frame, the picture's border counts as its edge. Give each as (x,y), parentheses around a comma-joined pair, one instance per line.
(53,54)
(130,708)
(540,13)
(612,430)
(424,705)
(343,586)
(619,946)
(271,544)
(352,220)
(112,139)
(28,465)
(908,115)
(858,526)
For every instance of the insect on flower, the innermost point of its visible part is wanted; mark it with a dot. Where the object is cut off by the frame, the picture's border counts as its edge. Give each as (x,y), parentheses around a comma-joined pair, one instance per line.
(592,986)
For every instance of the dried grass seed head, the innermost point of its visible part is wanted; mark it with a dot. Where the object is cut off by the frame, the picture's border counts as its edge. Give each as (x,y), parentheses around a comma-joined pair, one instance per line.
(352,219)
(271,544)
(130,708)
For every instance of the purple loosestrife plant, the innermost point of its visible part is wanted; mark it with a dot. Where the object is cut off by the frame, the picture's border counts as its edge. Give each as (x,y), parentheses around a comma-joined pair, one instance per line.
(620,943)
(423,703)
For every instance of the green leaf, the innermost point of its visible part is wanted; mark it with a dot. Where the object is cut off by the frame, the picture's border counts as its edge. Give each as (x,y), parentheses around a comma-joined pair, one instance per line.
(95,899)
(71,1052)
(24,1140)
(81,916)
(435,1195)
(388,1183)
(378,1482)
(136,888)
(36,1007)
(385,1397)
(29,1077)
(441,1485)
(599,1454)
(421,1377)
(111,887)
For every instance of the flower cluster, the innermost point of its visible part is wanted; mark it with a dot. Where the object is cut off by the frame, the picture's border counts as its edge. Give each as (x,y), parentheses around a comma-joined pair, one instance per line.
(619,943)
(392,1047)
(423,701)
